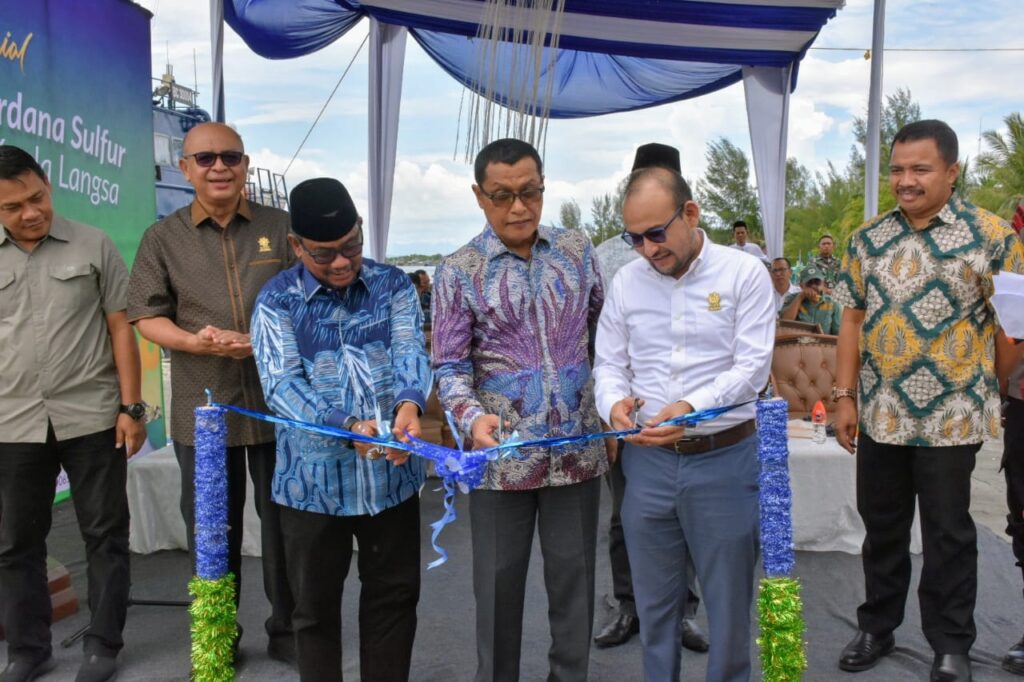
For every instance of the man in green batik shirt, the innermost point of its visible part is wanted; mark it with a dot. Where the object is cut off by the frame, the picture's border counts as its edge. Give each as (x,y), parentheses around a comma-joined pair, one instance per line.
(812,304)
(921,348)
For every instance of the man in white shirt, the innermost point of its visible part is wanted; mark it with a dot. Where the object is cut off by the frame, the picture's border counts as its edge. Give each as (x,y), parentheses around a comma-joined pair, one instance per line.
(782,281)
(740,234)
(688,327)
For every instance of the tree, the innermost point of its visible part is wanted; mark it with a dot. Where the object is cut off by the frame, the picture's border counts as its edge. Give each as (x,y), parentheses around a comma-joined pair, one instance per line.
(725,193)
(606,212)
(1001,169)
(800,188)
(570,216)
(899,110)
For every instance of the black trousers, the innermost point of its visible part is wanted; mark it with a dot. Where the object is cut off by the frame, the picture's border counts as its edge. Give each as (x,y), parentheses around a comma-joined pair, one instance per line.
(622,576)
(98,475)
(262,459)
(1013,470)
(889,478)
(319,550)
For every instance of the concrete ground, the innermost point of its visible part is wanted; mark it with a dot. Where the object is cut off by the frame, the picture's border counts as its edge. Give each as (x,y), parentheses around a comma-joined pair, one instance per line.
(988,490)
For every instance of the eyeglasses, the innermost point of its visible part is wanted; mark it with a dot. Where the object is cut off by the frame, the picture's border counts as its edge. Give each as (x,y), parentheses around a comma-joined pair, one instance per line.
(656,235)
(207,159)
(504,199)
(328,256)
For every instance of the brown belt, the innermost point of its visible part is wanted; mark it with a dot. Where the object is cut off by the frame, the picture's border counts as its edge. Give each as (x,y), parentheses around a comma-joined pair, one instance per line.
(696,445)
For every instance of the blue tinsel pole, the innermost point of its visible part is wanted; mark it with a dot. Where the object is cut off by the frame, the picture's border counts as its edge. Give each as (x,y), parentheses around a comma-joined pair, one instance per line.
(211,494)
(780,609)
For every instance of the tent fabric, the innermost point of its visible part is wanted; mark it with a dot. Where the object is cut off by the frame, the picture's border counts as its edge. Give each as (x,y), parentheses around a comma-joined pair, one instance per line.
(612,56)
(767,97)
(387,59)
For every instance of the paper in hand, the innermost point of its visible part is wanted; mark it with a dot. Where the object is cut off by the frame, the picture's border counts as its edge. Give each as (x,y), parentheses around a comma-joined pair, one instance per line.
(1008,301)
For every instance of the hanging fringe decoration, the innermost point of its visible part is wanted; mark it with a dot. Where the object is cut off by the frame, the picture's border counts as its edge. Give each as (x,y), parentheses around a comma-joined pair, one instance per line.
(779,608)
(505,25)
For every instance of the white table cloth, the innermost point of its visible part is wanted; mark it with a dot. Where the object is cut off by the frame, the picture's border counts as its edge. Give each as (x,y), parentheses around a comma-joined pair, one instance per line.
(823,479)
(154,495)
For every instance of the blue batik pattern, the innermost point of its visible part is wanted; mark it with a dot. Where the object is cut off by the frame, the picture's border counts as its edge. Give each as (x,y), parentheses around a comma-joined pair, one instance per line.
(324,355)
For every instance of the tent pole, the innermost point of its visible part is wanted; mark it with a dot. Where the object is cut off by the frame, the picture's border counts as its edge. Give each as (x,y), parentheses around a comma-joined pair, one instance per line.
(217,50)
(872,144)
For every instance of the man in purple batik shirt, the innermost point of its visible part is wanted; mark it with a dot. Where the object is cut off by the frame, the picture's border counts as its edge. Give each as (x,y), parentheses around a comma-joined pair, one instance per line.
(513,312)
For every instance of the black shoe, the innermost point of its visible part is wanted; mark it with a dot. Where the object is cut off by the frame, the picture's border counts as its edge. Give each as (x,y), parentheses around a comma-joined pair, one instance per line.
(22,670)
(864,650)
(1013,661)
(693,637)
(619,631)
(951,668)
(282,648)
(96,668)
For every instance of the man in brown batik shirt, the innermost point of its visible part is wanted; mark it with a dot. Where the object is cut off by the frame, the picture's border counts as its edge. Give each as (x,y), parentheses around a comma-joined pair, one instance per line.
(193,285)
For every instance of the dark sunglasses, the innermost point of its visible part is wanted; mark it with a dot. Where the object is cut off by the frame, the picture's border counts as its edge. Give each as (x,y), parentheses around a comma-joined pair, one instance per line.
(327,256)
(657,235)
(207,159)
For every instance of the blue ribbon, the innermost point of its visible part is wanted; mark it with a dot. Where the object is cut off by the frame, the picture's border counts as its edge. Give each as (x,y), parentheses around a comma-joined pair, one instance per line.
(465,469)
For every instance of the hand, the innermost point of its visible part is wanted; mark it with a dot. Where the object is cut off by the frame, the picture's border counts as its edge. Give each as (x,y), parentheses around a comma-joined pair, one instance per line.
(846,424)
(811,294)
(129,434)
(365,428)
(407,419)
(483,430)
(623,411)
(211,340)
(654,435)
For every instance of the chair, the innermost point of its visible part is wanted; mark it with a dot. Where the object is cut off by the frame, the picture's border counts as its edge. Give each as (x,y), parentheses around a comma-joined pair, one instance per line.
(786,327)
(804,371)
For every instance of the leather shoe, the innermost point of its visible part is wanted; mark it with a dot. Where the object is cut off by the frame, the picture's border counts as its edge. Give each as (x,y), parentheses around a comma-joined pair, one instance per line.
(951,668)
(619,631)
(864,650)
(23,670)
(1013,661)
(96,668)
(282,648)
(693,637)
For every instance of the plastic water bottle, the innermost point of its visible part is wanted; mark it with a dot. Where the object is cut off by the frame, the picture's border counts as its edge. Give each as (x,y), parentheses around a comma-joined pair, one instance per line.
(819,418)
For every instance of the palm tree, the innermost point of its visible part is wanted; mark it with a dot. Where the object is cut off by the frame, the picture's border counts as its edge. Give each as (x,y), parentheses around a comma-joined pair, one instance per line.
(1001,169)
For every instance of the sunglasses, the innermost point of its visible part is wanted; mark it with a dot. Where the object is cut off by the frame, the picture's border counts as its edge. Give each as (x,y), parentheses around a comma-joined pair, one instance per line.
(328,256)
(504,199)
(207,159)
(655,235)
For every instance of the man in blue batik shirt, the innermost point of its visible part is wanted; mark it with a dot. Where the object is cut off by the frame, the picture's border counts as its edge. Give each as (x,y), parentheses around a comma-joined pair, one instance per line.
(338,340)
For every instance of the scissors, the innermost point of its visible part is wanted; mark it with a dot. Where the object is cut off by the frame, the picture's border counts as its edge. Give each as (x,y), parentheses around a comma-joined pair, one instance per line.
(501,425)
(636,413)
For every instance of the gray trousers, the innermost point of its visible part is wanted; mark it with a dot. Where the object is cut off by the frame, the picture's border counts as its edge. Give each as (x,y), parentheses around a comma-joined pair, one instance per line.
(705,506)
(502,526)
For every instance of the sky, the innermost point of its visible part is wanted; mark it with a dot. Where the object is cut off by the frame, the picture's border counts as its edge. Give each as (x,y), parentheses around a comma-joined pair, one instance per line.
(272,103)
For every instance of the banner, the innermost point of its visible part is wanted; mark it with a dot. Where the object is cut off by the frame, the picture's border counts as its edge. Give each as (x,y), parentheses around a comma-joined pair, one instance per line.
(75,92)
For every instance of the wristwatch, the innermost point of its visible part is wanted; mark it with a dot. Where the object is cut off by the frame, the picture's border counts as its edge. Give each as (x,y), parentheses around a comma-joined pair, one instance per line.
(838,393)
(136,411)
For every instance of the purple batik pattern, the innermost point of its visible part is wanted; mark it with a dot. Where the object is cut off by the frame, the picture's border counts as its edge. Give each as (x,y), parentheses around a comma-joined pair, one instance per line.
(512,335)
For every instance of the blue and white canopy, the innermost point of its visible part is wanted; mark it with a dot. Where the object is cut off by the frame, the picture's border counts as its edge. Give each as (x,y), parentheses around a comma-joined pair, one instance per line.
(611,55)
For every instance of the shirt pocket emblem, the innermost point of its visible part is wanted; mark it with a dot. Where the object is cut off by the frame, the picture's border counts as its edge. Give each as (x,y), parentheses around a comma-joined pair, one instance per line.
(264,244)
(714,302)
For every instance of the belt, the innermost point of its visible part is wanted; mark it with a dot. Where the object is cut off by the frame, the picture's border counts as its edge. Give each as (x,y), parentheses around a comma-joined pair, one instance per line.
(696,445)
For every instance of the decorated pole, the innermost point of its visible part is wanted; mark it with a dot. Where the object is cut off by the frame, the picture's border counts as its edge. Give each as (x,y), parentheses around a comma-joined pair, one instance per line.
(779,607)
(213,607)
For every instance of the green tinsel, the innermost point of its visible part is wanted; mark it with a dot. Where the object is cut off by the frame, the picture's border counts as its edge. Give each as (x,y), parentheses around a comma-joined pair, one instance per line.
(781,620)
(214,628)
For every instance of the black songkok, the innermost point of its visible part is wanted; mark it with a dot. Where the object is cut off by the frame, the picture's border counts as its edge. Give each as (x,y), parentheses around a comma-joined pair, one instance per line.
(322,210)
(656,155)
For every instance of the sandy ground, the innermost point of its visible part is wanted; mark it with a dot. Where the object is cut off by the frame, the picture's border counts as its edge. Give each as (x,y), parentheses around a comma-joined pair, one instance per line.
(988,490)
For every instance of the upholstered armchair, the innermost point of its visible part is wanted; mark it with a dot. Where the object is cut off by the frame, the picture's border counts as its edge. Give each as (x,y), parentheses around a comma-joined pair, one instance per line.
(803,371)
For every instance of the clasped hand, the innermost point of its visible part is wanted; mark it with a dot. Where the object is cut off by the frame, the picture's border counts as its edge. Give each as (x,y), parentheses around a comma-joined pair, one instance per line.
(225,343)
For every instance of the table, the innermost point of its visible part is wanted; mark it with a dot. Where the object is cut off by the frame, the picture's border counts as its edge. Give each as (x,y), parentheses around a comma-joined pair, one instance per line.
(154,498)
(823,479)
